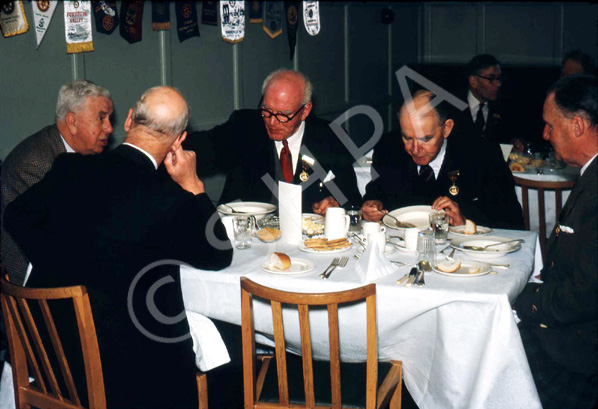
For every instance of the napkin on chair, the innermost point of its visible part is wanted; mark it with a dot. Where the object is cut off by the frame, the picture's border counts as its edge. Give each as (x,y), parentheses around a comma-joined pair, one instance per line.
(373,265)
(210,350)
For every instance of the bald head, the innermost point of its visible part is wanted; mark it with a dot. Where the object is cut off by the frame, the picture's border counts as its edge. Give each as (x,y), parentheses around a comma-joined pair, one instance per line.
(419,107)
(162,111)
(292,80)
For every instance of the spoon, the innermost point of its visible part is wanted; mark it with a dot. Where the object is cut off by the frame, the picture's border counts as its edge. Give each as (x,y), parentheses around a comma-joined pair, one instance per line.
(233,210)
(482,248)
(423,267)
(397,221)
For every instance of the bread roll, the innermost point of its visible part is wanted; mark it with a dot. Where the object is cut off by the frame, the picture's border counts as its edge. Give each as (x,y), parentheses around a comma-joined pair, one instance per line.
(268,234)
(470,227)
(516,167)
(280,261)
(448,266)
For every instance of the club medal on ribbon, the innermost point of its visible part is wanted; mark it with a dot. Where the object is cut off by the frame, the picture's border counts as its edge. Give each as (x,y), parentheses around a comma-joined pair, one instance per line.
(306,163)
(453,175)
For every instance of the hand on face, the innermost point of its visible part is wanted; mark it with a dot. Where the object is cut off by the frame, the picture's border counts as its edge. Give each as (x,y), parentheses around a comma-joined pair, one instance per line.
(373,210)
(451,208)
(181,166)
(320,207)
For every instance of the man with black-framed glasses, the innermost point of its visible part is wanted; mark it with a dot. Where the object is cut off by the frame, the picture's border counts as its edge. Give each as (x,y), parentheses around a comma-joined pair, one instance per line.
(279,141)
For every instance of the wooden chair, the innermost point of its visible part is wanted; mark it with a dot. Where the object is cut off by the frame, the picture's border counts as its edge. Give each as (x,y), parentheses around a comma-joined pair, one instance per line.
(390,389)
(541,186)
(31,351)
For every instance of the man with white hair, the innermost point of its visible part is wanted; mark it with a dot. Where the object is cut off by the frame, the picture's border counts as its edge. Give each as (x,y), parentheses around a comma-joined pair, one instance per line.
(115,224)
(82,125)
(280,141)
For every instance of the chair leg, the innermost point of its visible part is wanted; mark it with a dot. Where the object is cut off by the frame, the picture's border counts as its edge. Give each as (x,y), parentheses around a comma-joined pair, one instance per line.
(202,389)
(391,388)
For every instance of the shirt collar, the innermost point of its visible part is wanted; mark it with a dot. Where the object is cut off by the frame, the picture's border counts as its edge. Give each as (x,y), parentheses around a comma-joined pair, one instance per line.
(436,163)
(472,100)
(66,145)
(588,163)
(150,157)
(294,142)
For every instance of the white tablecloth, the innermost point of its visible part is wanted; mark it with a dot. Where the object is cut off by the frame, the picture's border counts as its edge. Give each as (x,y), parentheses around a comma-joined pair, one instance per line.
(457,337)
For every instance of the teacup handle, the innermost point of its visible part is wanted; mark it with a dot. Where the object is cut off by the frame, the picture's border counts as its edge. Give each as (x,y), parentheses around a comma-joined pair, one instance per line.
(347,224)
(383,229)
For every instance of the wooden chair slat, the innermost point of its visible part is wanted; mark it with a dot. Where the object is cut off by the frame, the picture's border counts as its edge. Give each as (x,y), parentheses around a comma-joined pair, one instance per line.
(308,370)
(248,341)
(372,352)
(335,364)
(281,358)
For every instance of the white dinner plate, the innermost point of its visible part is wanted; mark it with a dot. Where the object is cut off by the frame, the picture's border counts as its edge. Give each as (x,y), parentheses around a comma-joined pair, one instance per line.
(249,208)
(492,252)
(298,266)
(463,271)
(416,215)
(313,217)
(303,247)
(388,250)
(481,231)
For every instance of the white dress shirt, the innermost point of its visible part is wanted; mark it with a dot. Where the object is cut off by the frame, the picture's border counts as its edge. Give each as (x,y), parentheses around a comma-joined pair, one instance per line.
(436,163)
(474,106)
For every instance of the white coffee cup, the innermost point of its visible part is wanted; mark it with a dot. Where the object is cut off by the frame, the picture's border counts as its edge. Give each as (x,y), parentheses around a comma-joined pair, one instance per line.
(411,238)
(379,238)
(228,225)
(337,223)
(372,227)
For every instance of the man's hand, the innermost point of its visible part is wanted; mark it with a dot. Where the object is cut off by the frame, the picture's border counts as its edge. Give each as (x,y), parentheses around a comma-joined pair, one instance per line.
(451,208)
(320,207)
(180,165)
(373,210)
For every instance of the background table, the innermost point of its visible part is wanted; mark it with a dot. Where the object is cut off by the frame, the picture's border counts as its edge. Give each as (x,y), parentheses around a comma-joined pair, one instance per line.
(457,337)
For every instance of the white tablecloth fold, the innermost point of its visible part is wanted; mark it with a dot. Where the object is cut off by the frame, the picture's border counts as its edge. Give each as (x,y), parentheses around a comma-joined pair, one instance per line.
(373,265)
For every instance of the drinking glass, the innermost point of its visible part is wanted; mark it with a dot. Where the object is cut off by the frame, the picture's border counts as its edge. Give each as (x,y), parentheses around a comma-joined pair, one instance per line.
(242,231)
(426,247)
(439,221)
(354,214)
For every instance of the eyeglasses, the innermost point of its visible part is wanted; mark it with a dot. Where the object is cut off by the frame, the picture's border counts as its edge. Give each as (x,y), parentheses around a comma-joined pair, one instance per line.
(282,118)
(491,80)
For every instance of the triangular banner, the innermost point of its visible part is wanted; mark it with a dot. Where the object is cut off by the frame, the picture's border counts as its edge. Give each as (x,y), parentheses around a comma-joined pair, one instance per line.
(273,18)
(42,15)
(105,15)
(12,18)
(292,8)
(233,20)
(160,15)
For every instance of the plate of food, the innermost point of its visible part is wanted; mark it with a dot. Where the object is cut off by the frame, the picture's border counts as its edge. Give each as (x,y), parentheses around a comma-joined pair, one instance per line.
(325,246)
(269,234)
(257,209)
(280,263)
(475,246)
(458,268)
(470,229)
(408,217)
(312,224)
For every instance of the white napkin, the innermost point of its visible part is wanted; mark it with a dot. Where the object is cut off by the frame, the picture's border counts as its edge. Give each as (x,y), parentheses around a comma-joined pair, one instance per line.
(373,265)
(289,210)
(210,350)
(506,150)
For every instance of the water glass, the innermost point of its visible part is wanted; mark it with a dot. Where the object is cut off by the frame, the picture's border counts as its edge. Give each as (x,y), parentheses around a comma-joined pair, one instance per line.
(242,231)
(354,214)
(439,221)
(426,247)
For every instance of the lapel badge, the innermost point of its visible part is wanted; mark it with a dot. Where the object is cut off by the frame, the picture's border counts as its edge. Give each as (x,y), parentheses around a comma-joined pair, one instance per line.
(306,163)
(303,176)
(453,175)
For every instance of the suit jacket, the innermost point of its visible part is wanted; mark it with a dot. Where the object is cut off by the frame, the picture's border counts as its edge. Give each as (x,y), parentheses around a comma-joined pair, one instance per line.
(242,149)
(103,221)
(26,165)
(486,188)
(563,311)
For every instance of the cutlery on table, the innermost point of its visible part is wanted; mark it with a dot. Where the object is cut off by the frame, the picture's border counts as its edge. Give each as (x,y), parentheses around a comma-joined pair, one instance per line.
(333,264)
(397,221)
(233,210)
(422,267)
(412,275)
(342,263)
(482,248)
(403,279)
(450,256)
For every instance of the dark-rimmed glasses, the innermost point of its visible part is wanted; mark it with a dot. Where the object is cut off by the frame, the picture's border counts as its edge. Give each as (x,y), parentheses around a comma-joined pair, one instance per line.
(282,118)
(491,80)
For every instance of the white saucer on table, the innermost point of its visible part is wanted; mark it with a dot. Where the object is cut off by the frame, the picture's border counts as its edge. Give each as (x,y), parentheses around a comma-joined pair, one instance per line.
(459,231)
(298,266)
(492,252)
(463,271)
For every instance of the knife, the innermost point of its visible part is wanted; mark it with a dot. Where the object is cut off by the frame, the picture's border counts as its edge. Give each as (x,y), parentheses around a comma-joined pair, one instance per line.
(412,275)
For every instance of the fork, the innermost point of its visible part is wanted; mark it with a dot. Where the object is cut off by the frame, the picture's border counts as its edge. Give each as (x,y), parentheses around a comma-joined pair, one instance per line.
(332,265)
(342,263)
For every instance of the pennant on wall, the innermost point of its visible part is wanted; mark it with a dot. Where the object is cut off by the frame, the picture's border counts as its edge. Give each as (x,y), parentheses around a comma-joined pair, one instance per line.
(105,15)
(42,15)
(12,18)
(77,26)
(131,19)
(209,13)
(311,17)
(186,20)
(233,20)
(292,8)
(160,15)
(273,18)
(256,12)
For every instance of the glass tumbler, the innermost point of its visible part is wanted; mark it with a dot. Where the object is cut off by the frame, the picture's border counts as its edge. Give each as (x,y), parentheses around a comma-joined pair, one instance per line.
(242,227)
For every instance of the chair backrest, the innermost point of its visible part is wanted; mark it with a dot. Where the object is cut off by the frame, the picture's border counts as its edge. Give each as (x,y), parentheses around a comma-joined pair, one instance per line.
(541,186)
(252,386)
(36,348)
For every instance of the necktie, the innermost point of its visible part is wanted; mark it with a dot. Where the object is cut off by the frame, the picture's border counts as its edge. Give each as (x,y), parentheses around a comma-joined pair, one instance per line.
(426,174)
(286,162)
(479,119)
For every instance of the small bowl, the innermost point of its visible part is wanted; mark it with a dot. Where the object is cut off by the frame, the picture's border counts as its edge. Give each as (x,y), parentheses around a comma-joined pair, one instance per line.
(269,234)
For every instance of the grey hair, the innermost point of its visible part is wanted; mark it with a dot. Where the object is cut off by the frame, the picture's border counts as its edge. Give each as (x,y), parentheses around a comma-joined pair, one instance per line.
(72,97)
(143,116)
(308,85)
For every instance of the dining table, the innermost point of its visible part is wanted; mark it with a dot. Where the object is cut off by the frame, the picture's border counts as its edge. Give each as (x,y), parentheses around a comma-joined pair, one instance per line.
(457,336)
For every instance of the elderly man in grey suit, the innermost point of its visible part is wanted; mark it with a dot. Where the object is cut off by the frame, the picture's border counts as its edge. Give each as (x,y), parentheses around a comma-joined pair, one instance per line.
(82,125)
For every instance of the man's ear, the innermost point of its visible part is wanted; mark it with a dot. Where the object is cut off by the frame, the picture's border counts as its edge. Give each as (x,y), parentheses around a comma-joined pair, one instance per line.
(129,120)
(178,141)
(71,122)
(306,111)
(448,127)
(578,125)
(473,81)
